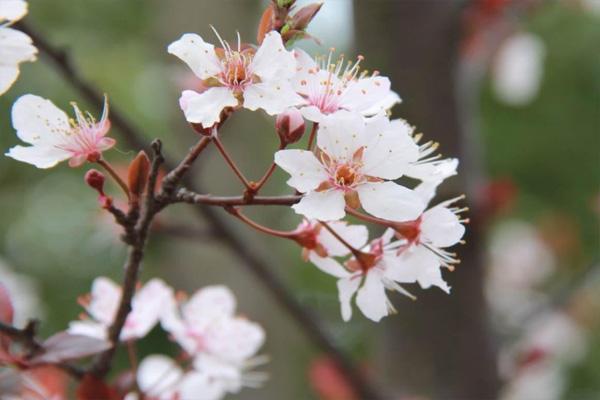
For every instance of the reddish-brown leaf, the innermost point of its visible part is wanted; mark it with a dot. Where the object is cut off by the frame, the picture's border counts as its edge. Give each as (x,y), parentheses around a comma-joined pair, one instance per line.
(266,23)
(137,175)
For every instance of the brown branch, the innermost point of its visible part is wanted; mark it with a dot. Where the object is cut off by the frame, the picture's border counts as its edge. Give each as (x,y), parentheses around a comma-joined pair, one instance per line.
(184,195)
(255,263)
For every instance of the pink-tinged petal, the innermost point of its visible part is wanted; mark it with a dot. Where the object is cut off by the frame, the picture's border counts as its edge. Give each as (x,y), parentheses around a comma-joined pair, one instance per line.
(390,201)
(272,61)
(106,296)
(199,386)
(234,339)
(389,152)
(346,289)
(12,10)
(77,160)
(38,120)
(205,108)
(39,156)
(324,206)
(209,303)
(312,113)
(106,143)
(158,375)
(341,134)
(147,305)
(371,298)
(197,54)
(355,235)
(8,76)
(366,94)
(441,227)
(329,266)
(88,328)
(273,96)
(384,104)
(306,80)
(306,172)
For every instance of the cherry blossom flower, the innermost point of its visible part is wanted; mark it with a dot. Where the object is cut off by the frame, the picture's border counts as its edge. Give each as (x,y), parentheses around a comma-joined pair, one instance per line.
(369,278)
(314,238)
(54,137)
(243,76)
(423,255)
(102,306)
(354,165)
(330,87)
(15,46)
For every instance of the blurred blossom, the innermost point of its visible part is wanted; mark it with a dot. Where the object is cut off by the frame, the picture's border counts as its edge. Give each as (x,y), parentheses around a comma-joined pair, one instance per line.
(23,293)
(518,69)
(328,382)
(519,262)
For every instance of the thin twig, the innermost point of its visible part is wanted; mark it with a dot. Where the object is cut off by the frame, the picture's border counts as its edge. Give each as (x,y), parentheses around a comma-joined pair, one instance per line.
(229,160)
(184,195)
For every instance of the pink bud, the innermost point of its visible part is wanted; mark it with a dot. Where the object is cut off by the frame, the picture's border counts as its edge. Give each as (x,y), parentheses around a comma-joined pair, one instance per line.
(290,126)
(95,179)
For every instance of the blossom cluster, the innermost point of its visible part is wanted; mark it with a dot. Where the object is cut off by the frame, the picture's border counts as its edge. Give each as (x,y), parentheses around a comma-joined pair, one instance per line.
(219,347)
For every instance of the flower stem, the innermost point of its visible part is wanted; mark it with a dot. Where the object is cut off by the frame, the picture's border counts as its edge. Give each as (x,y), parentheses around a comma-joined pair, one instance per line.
(261,228)
(313,134)
(106,165)
(231,163)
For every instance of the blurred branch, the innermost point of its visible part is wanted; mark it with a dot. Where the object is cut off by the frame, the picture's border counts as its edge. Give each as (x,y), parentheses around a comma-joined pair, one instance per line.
(255,263)
(184,195)
(27,338)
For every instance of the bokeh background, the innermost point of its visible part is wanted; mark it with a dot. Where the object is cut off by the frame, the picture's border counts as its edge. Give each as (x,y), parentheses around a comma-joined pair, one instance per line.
(510,87)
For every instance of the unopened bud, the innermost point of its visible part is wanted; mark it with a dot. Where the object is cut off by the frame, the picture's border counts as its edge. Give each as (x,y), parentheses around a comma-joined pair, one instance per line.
(266,24)
(290,126)
(95,179)
(285,3)
(137,174)
(304,16)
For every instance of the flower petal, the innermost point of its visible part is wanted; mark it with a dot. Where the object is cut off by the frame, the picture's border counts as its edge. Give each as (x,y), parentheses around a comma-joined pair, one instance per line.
(324,206)
(147,305)
(371,298)
(39,155)
(435,171)
(209,303)
(329,266)
(205,108)
(390,201)
(106,296)
(355,235)
(368,95)
(234,339)
(389,152)
(346,289)
(88,328)
(273,96)
(197,54)
(341,134)
(8,76)
(426,266)
(272,60)
(12,10)
(38,120)
(158,375)
(441,227)
(199,386)
(306,172)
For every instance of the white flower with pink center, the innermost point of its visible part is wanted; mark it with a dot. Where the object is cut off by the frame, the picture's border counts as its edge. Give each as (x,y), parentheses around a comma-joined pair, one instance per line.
(54,137)
(314,238)
(236,76)
(206,323)
(355,164)
(427,237)
(368,278)
(329,87)
(102,306)
(15,46)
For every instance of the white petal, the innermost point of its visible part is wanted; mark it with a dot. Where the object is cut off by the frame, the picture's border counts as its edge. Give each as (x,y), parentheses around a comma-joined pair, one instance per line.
(205,108)
(435,171)
(371,298)
(38,120)
(312,113)
(390,201)
(427,267)
(41,156)
(15,47)
(355,235)
(346,289)
(367,94)
(389,100)
(341,134)
(274,97)
(172,322)
(324,206)
(398,270)
(208,303)
(88,328)
(227,374)
(441,227)
(199,386)
(272,60)
(12,10)
(104,303)
(158,375)
(197,54)
(389,152)
(148,303)
(306,172)
(427,190)
(8,76)
(234,339)
(329,266)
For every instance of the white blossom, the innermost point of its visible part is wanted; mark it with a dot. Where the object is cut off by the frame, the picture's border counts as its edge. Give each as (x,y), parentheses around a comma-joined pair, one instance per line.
(15,46)
(236,76)
(147,305)
(313,237)
(54,137)
(330,87)
(355,164)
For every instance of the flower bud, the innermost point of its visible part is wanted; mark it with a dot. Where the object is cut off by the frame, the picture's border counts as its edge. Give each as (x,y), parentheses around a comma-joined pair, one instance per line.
(290,126)
(137,175)
(95,179)
(303,16)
